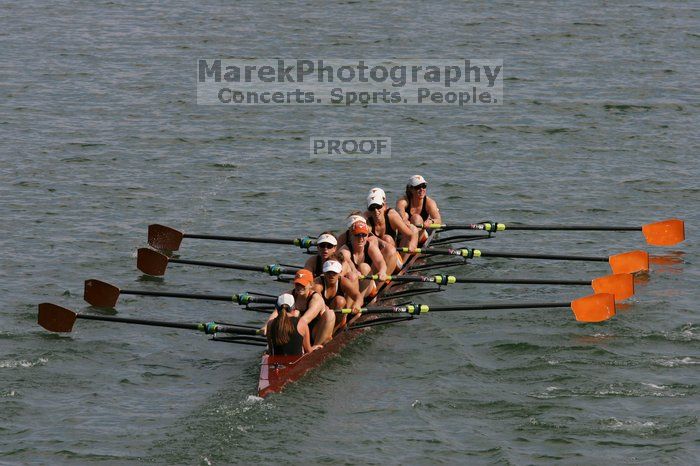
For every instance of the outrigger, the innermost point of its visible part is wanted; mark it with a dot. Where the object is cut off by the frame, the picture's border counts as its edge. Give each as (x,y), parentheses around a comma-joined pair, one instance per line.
(388,306)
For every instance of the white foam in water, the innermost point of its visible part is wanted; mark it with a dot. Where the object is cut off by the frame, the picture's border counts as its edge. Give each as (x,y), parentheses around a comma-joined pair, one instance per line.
(11,364)
(630,425)
(675,362)
(252,399)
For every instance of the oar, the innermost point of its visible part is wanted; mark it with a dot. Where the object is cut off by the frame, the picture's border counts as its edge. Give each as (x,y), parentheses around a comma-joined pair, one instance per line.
(154,263)
(55,318)
(627,262)
(169,239)
(664,233)
(103,294)
(621,285)
(591,308)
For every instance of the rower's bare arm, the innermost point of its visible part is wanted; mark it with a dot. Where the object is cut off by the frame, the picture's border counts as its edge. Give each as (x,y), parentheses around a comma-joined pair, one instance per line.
(313,309)
(378,260)
(352,291)
(303,330)
(399,224)
(402,207)
(310,263)
(433,211)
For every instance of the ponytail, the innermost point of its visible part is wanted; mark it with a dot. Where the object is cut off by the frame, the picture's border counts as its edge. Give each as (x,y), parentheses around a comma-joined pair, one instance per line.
(281,328)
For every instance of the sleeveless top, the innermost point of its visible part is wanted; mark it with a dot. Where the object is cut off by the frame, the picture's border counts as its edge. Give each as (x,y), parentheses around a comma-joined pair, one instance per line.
(318,269)
(389,229)
(424,211)
(352,254)
(338,292)
(293,347)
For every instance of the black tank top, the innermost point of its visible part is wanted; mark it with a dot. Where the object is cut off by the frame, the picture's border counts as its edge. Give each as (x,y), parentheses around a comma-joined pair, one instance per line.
(338,292)
(319,266)
(389,229)
(352,254)
(293,347)
(424,211)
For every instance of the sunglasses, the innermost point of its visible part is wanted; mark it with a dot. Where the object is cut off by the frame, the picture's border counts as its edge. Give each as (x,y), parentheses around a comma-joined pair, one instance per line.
(361,235)
(374,207)
(421,186)
(326,246)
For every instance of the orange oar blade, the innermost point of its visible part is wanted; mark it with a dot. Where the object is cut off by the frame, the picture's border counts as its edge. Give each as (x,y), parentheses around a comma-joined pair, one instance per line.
(100,294)
(162,237)
(151,262)
(664,233)
(620,284)
(629,262)
(56,318)
(594,308)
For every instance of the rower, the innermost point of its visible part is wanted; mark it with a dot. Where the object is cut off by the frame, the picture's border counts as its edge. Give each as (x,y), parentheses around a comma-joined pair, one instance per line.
(337,291)
(327,249)
(354,217)
(388,225)
(287,334)
(312,307)
(365,256)
(417,207)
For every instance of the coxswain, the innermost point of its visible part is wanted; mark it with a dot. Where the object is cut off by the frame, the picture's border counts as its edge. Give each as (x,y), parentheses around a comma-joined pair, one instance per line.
(337,291)
(388,225)
(312,307)
(417,207)
(287,334)
(365,256)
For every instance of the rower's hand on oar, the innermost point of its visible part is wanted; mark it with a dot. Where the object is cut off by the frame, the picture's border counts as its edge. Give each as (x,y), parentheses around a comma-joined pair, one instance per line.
(382,276)
(356,308)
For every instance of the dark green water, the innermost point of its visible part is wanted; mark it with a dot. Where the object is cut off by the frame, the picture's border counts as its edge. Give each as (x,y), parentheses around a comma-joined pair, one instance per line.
(101,136)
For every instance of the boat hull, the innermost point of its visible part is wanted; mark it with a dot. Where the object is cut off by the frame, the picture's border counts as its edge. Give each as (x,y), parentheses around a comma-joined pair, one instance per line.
(278,371)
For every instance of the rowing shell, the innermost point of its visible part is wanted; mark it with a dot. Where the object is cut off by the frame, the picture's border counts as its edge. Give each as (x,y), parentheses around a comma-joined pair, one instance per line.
(277,371)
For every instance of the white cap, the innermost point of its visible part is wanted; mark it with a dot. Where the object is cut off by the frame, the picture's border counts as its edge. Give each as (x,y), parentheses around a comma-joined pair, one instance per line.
(332,266)
(287,299)
(326,238)
(376,196)
(379,191)
(415,180)
(354,219)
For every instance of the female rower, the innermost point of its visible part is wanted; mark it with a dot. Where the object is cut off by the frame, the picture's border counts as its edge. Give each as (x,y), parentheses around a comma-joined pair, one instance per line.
(286,334)
(388,225)
(337,291)
(388,250)
(327,249)
(312,307)
(365,256)
(416,206)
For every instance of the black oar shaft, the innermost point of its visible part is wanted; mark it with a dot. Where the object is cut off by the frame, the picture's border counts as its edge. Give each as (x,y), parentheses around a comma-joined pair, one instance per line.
(518,255)
(572,227)
(155,323)
(222,265)
(521,281)
(505,281)
(210,297)
(248,239)
(486,307)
